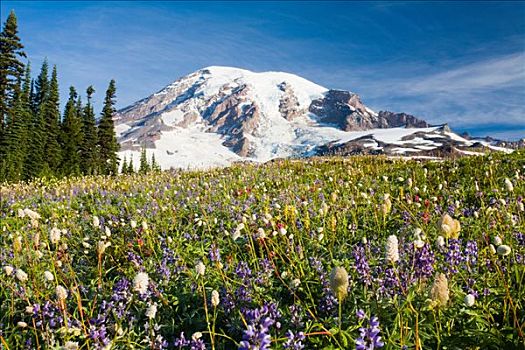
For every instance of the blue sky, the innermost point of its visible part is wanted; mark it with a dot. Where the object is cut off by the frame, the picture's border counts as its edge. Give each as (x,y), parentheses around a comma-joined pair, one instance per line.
(456,62)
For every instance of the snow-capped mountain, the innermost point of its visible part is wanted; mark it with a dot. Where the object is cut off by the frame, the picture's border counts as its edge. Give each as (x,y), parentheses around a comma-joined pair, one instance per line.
(219,115)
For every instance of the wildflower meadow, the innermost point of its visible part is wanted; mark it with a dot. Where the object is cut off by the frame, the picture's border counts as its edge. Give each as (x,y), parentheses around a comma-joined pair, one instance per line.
(324,253)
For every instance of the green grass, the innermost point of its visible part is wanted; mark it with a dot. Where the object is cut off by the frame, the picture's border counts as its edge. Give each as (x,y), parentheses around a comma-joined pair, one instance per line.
(295,222)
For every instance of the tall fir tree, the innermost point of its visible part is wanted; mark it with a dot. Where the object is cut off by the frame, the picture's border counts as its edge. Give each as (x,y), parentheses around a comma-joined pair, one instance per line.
(124,166)
(11,68)
(15,140)
(71,139)
(154,165)
(35,162)
(144,166)
(51,114)
(107,140)
(89,147)
(11,71)
(131,167)
(41,88)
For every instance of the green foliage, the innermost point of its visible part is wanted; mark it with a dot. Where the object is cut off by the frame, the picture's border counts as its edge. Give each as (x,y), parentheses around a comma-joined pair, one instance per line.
(269,234)
(11,68)
(89,148)
(107,140)
(34,141)
(51,115)
(72,135)
(144,165)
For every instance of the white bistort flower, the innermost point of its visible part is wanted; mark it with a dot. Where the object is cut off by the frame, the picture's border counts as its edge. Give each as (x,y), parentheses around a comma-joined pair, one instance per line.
(33,215)
(151,311)
(215,298)
(61,292)
(509,185)
(469,300)
(48,276)
(8,270)
(21,275)
(54,235)
(392,249)
(141,282)
(200,268)
(96,221)
(70,345)
(503,250)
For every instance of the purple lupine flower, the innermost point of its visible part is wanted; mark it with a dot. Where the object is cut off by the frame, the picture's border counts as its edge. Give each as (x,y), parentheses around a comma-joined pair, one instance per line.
(296,316)
(134,258)
(423,260)
(361,265)
(453,256)
(317,265)
(360,314)
(471,254)
(197,344)
(256,336)
(243,271)
(328,302)
(214,253)
(520,238)
(369,337)
(181,341)
(294,341)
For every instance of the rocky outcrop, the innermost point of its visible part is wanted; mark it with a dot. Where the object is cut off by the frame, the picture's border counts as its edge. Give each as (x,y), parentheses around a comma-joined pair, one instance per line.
(288,105)
(234,117)
(144,133)
(394,120)
(345,110)
(162,101)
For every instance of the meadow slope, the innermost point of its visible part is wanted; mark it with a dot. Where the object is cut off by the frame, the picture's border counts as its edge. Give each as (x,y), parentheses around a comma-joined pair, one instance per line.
(338,253)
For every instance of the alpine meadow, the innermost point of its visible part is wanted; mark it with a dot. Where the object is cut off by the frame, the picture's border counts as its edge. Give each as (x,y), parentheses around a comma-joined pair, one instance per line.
(253,209)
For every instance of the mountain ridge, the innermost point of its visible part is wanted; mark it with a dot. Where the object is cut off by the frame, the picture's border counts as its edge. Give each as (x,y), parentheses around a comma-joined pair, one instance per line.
(236,114)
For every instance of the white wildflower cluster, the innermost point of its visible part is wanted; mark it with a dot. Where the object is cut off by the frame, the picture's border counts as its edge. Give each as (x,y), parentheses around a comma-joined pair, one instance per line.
(141,282)
(54,235)
(419,238)
(200,268)
(215,298)
(392,249)
(151,311)
(61,292)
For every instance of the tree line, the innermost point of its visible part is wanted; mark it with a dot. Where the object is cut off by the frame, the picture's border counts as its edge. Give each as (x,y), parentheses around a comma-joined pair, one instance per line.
(36,139)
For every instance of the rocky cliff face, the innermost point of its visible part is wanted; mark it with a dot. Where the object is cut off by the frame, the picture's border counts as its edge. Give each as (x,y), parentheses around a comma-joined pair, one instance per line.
(345,110)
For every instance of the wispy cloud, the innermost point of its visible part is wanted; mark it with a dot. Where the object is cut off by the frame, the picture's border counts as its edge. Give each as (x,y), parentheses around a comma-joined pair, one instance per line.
(489,91)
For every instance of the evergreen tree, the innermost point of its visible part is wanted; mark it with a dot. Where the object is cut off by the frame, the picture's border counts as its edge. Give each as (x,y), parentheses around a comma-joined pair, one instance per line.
(15,140)
(131,168)
(71,135)
(11,68)
(51,116)
(124,166)
(35,162)
(107,140)
(41,88)
(144,166)
(88,149)
(154,165)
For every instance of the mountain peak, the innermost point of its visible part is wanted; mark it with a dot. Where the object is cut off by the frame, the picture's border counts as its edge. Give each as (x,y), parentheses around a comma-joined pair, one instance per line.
(219,114)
